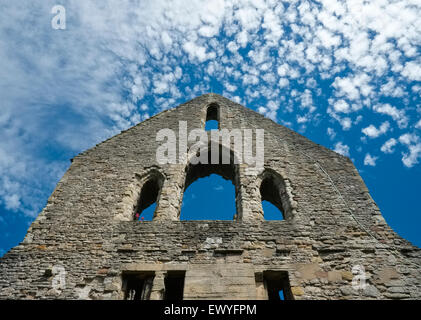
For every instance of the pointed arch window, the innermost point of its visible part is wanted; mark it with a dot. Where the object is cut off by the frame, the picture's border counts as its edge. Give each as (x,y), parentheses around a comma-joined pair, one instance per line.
(147,193)
(275,200)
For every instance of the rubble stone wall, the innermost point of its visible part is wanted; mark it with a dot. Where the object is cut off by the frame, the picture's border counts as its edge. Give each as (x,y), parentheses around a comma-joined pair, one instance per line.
(85,238)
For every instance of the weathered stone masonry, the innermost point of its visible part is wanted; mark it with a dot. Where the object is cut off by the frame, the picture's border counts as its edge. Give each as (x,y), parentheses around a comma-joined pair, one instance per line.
(331,223)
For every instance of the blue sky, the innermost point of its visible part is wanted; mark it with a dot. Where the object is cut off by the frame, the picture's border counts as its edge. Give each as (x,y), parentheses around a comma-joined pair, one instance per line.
(345,75)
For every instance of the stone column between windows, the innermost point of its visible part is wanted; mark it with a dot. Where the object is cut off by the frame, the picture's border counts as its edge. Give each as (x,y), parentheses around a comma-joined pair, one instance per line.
(261,290)
(158,286)
(171,197)
(249,202)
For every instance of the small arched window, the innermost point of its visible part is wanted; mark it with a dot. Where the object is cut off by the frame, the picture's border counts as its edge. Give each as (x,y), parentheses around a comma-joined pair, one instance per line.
(275,201)
(148,198)
(212,117)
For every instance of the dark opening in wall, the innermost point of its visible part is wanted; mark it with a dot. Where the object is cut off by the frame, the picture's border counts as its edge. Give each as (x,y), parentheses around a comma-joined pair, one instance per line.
(277,285)
(148,198)
(137,285)
(212,117)
(275,201)
(174,285)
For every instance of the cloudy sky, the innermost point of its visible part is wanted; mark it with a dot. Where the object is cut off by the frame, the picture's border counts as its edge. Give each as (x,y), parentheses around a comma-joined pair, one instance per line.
(345,74)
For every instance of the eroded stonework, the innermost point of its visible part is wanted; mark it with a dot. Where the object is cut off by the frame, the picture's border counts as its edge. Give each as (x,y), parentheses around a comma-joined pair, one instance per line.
(85,240)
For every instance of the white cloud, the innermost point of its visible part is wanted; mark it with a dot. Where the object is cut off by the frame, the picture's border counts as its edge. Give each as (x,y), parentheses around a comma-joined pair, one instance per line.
(414,147)
(398,115)
(370,160)
(230,87)
(341,106)
(242,38)
(342,149)
(197,52)
(331,133)
(327,38)
(232,46)
(166,39)
(412,71)
(283,82)
(412,158)
(208,31)
(270,110)
(160,87)
(283,70)
(387,147)
(391,89)
(346,123)
(353,87)
(302,119)
(307,100)
(372,132)
(12,202)
(408,138)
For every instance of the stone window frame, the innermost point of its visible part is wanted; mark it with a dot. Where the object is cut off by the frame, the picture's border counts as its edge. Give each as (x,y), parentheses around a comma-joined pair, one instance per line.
(131,196)
(174,279)
(231,174)
(213,114)
(282,197)
(267,280)
(146,278)
(157,273)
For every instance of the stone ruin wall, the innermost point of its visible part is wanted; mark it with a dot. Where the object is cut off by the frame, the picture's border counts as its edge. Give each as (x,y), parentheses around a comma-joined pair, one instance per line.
(334,224)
